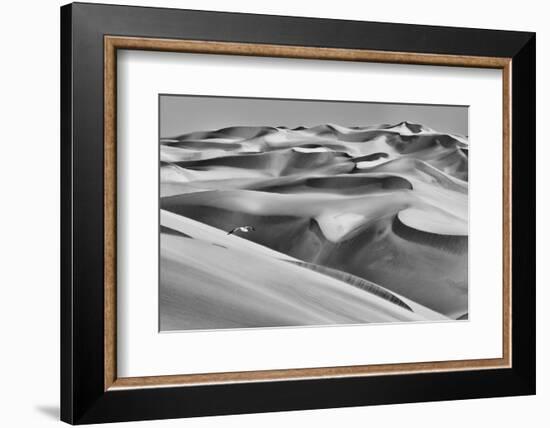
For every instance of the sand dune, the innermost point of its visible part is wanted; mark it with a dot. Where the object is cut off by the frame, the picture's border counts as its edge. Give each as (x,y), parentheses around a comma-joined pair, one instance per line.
(385,204)
(278,163)
(397,140)
(206,284)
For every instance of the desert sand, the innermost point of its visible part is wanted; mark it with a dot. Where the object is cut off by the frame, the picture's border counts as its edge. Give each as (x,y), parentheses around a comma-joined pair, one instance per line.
(348,225)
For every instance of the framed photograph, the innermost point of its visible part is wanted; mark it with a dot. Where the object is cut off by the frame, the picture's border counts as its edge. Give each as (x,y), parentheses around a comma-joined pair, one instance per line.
(266,213)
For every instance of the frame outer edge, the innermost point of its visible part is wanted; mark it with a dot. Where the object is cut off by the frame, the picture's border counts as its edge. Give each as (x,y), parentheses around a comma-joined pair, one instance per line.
(66,217)
(83,398)
(524,217)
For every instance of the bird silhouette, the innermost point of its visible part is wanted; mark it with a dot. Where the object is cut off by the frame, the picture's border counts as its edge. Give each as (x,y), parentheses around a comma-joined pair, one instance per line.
(244,229)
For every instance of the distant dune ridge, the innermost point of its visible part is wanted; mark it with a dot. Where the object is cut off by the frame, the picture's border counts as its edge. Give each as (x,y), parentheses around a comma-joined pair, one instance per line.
(350,225)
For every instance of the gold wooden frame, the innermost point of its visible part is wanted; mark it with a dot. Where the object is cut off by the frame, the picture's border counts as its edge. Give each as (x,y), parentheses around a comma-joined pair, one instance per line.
(113,43)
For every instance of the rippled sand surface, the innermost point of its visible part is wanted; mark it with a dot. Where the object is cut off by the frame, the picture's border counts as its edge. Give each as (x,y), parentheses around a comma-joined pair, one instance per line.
(349,225)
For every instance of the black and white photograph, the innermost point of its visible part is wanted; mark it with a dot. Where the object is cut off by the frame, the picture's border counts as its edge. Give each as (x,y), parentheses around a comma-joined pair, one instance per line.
(244,214)
(282,212)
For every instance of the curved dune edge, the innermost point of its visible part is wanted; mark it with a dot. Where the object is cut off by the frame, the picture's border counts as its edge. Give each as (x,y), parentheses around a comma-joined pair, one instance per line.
(355,281)
(452,243)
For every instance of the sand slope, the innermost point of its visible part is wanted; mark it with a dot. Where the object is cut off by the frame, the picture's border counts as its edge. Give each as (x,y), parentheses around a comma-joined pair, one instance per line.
(214,280)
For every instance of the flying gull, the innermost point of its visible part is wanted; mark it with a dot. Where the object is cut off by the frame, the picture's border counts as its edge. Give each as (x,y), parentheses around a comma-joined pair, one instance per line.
(244,229)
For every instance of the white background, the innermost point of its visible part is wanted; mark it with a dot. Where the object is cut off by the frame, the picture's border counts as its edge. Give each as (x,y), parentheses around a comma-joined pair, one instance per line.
(144,352)
(29,230)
